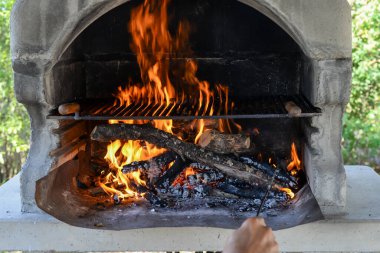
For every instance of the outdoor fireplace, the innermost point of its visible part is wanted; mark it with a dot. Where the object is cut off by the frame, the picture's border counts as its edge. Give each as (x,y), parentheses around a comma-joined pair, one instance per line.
(226,72)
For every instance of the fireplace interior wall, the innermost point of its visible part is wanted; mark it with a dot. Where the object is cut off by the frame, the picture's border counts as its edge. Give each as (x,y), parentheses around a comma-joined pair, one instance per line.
(233,45)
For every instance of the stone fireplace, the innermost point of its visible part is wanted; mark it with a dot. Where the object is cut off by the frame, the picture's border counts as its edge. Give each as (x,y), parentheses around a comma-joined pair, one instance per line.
(66,51)
(74,51)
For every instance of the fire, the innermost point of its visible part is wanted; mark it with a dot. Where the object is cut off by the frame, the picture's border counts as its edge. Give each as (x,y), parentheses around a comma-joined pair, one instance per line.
(288,192)
(295,165)
(184,175)
(158,95)
(189,172)
(120,154)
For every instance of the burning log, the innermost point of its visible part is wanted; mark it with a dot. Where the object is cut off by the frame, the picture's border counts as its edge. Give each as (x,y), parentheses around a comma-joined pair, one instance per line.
(155,200)
(159,161)
(96,191)
(152,167)
(98,165)
(226,165)
(199,166)
(222,194)
(269,170)
(244,193)
(170,175)
(224,143)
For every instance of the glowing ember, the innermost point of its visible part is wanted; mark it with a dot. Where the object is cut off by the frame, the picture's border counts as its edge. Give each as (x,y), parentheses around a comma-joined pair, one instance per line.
(180,180)
(288,192)
(189,172)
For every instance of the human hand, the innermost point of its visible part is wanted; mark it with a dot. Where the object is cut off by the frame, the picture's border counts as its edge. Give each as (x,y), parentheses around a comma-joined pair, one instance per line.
(253,236)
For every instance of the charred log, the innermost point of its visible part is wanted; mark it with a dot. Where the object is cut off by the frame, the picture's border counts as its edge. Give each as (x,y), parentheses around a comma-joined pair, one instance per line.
(159,161)
(224,143)
(96,191)
(281,175)
(98,166)
(226,165)
(199,166)
(243,193)
(223,194)
(171,174)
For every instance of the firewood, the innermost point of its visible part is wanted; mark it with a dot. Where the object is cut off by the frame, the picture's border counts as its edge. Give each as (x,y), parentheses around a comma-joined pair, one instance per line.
(152,167)
(281,175)
(199,166)
(225,164)
(159,161)
(243,193)
(170,175)
(95,191)
(222,194)
(293,109)
(224,143)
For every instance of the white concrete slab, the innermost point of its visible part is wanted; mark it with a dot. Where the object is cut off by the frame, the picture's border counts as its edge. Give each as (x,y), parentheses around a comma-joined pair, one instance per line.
(357,231)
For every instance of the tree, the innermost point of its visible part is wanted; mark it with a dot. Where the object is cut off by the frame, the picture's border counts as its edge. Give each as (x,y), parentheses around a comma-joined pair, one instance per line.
(362,121)
(14,121)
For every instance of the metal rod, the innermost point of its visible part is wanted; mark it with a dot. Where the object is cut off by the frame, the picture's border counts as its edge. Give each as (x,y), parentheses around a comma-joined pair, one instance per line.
(268,107)
(266,193)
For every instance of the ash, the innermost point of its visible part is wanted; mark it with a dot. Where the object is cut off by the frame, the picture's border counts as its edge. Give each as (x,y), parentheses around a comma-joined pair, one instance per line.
(211,189)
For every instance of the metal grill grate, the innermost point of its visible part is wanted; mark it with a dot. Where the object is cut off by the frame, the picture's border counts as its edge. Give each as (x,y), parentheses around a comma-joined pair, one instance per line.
(259,107)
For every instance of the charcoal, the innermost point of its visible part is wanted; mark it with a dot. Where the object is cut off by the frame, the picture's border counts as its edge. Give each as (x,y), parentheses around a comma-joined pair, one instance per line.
(192,180)
(116,199)
(159,161)
(244,193)
(171,174)
(257,202)
(199,166)
(201,191)
(281,175)
(186,193)
(176,190)
(270,203)
(154,200)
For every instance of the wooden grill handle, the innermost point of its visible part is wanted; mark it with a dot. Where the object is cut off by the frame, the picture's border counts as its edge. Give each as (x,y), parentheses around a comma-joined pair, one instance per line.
(293,109)
(68,108)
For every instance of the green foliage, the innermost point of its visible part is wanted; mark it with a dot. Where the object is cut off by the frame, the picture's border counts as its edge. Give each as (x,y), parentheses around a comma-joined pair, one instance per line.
(14,122)
(362,123)
(366,58)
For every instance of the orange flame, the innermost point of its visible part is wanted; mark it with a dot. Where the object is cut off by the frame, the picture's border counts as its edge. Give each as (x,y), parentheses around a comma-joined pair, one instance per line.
(153,45)
(288,192)
(118,155)
(189,172)
(184,175)
(295,165)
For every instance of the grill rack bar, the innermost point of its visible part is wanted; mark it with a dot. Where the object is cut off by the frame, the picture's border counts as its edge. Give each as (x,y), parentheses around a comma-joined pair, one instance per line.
(258,107)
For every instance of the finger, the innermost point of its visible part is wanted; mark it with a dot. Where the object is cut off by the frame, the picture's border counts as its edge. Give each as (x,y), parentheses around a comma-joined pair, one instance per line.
(258,221)
(274,247)
(266,235)
(261,221)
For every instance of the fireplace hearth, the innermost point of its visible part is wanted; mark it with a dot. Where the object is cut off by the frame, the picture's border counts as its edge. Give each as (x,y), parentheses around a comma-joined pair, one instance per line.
(241,71)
